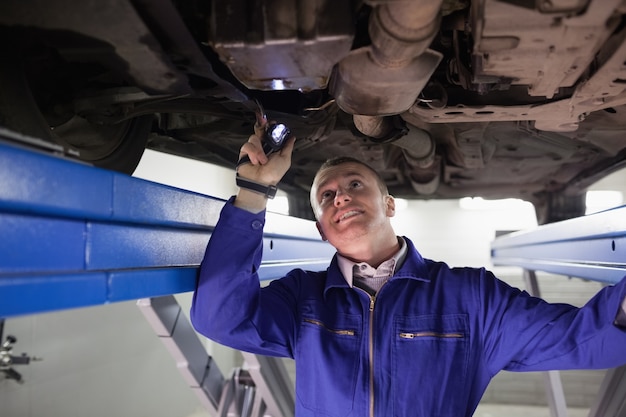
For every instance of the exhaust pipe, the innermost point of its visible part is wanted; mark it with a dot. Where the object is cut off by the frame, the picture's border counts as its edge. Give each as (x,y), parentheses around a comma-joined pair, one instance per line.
(386,77)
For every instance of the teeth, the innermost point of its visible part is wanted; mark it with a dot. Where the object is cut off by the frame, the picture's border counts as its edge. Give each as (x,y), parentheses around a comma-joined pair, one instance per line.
(348,214)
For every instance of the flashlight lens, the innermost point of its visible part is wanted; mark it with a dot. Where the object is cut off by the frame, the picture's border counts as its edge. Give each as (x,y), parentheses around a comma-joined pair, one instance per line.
(278,133)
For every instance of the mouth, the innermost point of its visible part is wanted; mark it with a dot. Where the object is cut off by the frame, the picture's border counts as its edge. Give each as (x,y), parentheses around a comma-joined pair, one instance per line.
(347,215)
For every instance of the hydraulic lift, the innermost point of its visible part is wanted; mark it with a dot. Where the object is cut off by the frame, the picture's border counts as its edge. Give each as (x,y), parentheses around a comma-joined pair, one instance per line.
(591,247)
(76,236)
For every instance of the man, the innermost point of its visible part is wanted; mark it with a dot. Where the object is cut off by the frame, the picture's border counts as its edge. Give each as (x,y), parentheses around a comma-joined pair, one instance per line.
(383,332)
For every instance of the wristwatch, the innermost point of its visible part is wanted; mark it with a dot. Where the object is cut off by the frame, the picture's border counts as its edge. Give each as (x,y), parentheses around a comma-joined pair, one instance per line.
(269,191)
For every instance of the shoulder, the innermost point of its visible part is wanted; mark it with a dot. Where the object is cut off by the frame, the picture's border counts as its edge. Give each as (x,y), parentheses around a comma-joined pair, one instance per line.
(301,281)
(441,270)
(466,279)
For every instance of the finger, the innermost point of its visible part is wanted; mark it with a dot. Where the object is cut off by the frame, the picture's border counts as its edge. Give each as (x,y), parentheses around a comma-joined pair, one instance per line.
(253,145)
(254,151)
(259,126)
(255,159)
(248,149)
(255,138)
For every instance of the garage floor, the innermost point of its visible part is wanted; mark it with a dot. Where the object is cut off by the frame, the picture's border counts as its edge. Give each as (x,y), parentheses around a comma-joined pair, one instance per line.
(501,410)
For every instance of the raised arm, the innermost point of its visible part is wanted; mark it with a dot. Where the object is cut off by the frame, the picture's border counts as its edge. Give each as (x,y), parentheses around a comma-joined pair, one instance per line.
(228,303)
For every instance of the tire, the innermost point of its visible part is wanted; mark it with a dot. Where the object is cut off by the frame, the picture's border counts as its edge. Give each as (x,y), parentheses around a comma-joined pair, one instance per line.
(555,207)
(117,147)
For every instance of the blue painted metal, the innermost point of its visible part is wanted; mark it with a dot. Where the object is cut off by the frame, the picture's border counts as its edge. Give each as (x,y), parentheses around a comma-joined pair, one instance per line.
(591,247)
(73,236)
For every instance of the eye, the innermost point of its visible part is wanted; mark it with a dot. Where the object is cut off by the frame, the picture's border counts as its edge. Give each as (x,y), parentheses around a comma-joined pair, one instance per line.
(355,184)
(326,195)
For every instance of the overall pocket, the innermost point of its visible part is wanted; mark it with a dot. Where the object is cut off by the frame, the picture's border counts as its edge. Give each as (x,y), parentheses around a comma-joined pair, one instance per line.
(327,360)
(430,355)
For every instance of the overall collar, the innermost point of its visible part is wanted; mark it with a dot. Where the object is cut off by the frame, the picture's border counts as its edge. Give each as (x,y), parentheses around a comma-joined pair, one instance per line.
(346,266)
(413,267)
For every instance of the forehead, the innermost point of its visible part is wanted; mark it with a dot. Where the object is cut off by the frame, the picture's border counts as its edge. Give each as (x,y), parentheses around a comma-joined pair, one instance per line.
(342,171)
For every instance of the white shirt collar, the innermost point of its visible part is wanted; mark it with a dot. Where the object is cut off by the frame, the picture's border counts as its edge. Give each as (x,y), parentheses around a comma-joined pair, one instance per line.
(346,265)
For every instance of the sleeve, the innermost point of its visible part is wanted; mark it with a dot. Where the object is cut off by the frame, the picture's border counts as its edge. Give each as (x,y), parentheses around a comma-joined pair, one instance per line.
(525,333)
(620,320)
(229,306)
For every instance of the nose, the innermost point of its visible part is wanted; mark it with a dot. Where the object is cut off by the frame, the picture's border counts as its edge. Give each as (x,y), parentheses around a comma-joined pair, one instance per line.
(341,197)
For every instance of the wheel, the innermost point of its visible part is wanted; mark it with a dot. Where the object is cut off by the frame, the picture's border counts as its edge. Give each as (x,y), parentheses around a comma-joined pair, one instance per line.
(117,147)
(555,207)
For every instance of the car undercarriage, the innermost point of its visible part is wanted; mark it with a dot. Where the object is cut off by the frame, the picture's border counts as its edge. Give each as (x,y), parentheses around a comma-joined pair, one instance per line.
(445,99)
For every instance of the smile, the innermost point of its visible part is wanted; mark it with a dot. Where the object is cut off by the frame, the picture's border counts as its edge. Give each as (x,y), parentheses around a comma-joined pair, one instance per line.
(347,215)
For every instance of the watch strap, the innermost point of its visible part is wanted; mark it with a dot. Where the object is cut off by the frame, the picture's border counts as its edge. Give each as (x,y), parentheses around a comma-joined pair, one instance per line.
(269,191)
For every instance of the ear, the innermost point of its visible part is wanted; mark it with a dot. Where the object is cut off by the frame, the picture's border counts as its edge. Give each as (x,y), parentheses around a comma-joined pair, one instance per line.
(319,229)
(390,202)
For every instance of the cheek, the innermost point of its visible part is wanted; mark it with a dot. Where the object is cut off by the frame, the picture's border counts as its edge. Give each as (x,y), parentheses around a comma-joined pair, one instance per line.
(318,210)
(323,217)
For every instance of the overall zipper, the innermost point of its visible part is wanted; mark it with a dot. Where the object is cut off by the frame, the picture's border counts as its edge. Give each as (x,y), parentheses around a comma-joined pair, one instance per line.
(372,299)
(335,331)
(415,335)
(371,353)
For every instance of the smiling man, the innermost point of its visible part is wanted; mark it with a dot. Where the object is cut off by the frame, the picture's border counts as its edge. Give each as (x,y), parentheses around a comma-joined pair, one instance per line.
(353,207)
(383,331)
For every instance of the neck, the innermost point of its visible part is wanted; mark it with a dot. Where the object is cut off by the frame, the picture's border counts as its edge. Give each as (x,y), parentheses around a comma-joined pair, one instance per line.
(373,253)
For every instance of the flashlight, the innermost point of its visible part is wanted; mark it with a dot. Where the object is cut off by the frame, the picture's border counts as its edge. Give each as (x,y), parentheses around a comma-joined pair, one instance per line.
(274,137)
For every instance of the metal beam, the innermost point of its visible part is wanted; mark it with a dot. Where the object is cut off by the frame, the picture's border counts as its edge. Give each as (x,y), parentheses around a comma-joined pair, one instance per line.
(75,236)
(591,247)
(552,379)
(263,388)
(273,385)
(198,369)
(611,400)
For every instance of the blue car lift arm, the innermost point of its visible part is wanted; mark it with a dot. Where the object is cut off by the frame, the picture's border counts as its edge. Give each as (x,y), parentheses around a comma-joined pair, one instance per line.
(591,247)
(75,236)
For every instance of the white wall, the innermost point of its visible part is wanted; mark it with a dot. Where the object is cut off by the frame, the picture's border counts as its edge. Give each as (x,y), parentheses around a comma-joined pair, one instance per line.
(100,361)
(187,174)
(441,230)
